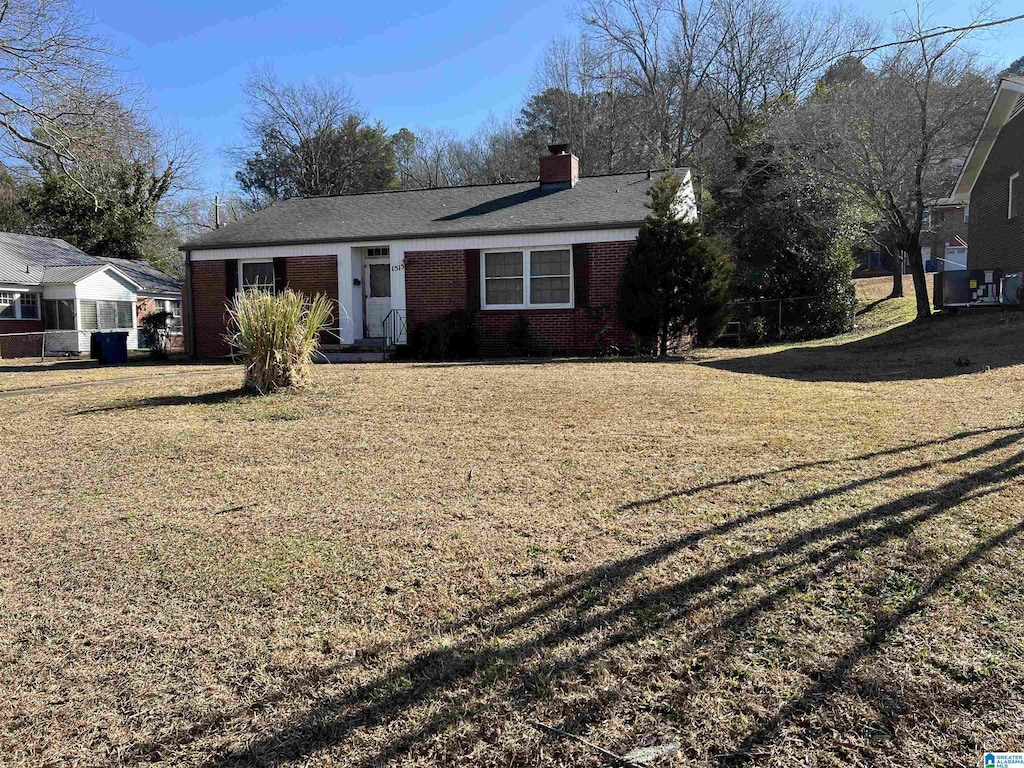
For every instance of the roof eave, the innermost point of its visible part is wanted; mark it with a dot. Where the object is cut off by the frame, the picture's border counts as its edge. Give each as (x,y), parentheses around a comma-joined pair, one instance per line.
(1007,92)
(416,236)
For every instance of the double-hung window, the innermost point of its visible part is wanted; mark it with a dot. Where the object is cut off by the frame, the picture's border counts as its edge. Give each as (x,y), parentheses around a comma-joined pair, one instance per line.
(29,306)
(1011,210)
(19,306)
(537,278)
(256,276)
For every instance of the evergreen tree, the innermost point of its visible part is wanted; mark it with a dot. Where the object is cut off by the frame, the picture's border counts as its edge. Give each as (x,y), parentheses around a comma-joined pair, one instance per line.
(118,222)
(675,280)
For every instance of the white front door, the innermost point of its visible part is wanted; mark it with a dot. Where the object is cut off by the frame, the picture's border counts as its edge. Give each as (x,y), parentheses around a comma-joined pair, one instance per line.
(377,296)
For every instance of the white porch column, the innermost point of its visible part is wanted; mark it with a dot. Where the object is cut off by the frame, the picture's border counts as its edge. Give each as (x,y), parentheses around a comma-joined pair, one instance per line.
(398,284)
(346,311)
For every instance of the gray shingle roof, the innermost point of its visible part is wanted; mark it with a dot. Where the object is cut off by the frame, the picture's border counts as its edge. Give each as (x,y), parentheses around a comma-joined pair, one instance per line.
(596,202)
(32,260)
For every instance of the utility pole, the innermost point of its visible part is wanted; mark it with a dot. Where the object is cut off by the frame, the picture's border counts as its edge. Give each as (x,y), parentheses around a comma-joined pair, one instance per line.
(216,211)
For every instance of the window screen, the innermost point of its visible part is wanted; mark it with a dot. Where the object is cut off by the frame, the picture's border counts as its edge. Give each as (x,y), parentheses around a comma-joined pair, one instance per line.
(503,277)
(90,315)
(59,314)
(29,306)
(6,305)
(258,275)
(125,314)
(550,277)
(107,311)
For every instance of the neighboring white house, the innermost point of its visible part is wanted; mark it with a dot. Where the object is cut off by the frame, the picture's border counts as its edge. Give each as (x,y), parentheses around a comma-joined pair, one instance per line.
(80,300)
(53,297)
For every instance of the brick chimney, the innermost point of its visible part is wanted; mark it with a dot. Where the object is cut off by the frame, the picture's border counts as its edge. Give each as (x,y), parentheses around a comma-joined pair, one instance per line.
(560,169)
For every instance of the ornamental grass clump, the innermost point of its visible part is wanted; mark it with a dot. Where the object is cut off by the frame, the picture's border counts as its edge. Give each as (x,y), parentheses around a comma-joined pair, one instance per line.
(276,335)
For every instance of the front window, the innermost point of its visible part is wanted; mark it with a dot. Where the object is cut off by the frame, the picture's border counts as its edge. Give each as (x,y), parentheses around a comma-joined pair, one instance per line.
(257,276)
(59,314)
(550,277)
(29,306)
(503,278)
(105,315)
(540,278)
(7,305)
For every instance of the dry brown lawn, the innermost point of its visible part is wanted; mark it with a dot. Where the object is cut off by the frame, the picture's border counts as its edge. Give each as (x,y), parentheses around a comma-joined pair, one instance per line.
(774,557)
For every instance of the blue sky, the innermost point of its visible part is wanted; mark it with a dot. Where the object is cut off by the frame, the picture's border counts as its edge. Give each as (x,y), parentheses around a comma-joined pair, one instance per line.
(408,63)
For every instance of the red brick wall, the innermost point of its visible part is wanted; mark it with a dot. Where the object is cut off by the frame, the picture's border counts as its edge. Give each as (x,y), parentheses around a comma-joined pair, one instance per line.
(208,306)
(995,241)
(20,346)
(312,275)
(435,284)
(308,274)
(144,308)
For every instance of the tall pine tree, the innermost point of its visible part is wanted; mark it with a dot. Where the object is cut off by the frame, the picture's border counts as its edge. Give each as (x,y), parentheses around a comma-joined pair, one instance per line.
(675,281)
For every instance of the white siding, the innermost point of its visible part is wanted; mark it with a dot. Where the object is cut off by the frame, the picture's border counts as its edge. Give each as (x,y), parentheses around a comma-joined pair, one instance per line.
(106,286)
(103,286)
(52,291)
(452,243)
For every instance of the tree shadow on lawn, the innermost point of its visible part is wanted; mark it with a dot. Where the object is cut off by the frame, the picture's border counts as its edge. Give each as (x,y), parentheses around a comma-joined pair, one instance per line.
(161,401)
(567,615)
(941,347)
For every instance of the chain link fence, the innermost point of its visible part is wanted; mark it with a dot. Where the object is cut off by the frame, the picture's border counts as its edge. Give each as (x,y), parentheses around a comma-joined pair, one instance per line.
(762,320)
(42,344)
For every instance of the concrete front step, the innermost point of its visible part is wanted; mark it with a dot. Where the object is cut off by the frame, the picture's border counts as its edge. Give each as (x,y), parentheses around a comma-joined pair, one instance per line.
(350,356)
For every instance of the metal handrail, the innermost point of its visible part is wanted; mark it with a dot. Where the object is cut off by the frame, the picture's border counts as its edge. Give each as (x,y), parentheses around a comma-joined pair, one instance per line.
(393,327)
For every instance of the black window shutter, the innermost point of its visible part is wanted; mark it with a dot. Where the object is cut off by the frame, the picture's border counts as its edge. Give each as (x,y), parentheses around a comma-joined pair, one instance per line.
(230,278)
(473,280)
(280,275)
(581,274)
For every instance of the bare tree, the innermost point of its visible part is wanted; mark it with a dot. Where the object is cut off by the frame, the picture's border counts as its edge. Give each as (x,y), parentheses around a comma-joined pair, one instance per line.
(637,37)
(897,135)
(57,82)
(294,123)
(429,158)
